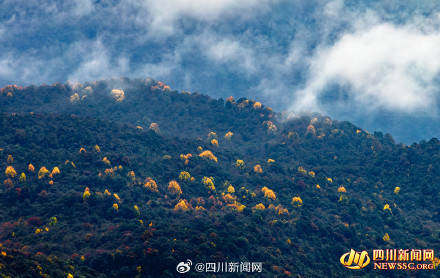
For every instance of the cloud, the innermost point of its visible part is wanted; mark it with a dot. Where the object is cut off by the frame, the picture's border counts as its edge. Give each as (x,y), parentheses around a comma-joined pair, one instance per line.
(96,62)
(384,66)
(25,68)
(163,69)
(162,17)
(223,50)
(82,7)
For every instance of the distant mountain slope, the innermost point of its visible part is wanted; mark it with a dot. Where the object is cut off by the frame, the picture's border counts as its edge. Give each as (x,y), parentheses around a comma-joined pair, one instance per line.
(294,194)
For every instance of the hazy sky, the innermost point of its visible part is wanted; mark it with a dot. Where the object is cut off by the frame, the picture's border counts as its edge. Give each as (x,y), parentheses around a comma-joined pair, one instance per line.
(375,63)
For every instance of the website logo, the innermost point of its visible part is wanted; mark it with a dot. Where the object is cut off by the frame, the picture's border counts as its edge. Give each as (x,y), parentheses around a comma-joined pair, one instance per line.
(184,267)
(355,260)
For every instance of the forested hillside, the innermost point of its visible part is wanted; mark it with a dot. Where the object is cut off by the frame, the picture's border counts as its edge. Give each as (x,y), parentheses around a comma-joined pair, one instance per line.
(127,178)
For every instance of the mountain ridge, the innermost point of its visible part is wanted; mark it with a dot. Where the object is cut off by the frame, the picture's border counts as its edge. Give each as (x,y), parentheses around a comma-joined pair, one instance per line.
(293,194)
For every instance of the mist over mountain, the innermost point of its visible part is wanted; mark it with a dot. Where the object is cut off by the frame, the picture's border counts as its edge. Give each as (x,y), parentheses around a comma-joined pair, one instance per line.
(373,63)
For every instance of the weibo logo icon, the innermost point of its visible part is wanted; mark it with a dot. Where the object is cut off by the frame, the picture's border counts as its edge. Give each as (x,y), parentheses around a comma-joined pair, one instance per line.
(355,260)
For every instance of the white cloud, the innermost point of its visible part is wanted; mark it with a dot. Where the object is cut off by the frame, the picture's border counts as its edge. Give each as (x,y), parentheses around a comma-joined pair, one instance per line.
(384,65)
(160,70)
(161,17)
(96,62)
(82,7)
(227,50)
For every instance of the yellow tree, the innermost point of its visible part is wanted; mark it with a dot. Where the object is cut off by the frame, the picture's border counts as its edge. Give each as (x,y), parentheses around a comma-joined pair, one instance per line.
(258,169)
(387,207)
(257,105)
(185,157)
(74,98)
(116,196)
(10,159)
(214,142)
(302,170)
(184,176)
(297,201)
(55,171)
(10,172)
(208,155)
(136,209)
(115,206)
(228,135)
(182,205)
(151,185)
(199,208)
(86,193)
(31,168)
(22,177)
(106,161)
(209,183)
(42,173)
(174,188)
(240,164)
(228,198)
(281,210)
(268,193)
(118,94)
(259,206)
(97,148)
(237,206)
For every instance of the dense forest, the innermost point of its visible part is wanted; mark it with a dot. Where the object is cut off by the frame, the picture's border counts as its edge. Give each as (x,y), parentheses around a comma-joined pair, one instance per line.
(127,178)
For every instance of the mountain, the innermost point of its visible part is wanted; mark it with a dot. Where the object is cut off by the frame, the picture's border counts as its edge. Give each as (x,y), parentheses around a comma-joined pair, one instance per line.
(128,178)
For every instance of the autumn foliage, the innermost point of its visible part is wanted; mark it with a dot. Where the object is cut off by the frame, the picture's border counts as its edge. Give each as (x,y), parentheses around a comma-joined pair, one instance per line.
(185,157)
(182,205)
(184,176)
(208,155)
(10,172)
(155,127)
(258,169)
(42,172)
(174,188)
(297,201)
(151,185)
(342,189)
(259,206)
(240,164)
(268,193)
(31,168)
(118,95)
(208,183)
(214,142)
(86,193)
(228,135)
